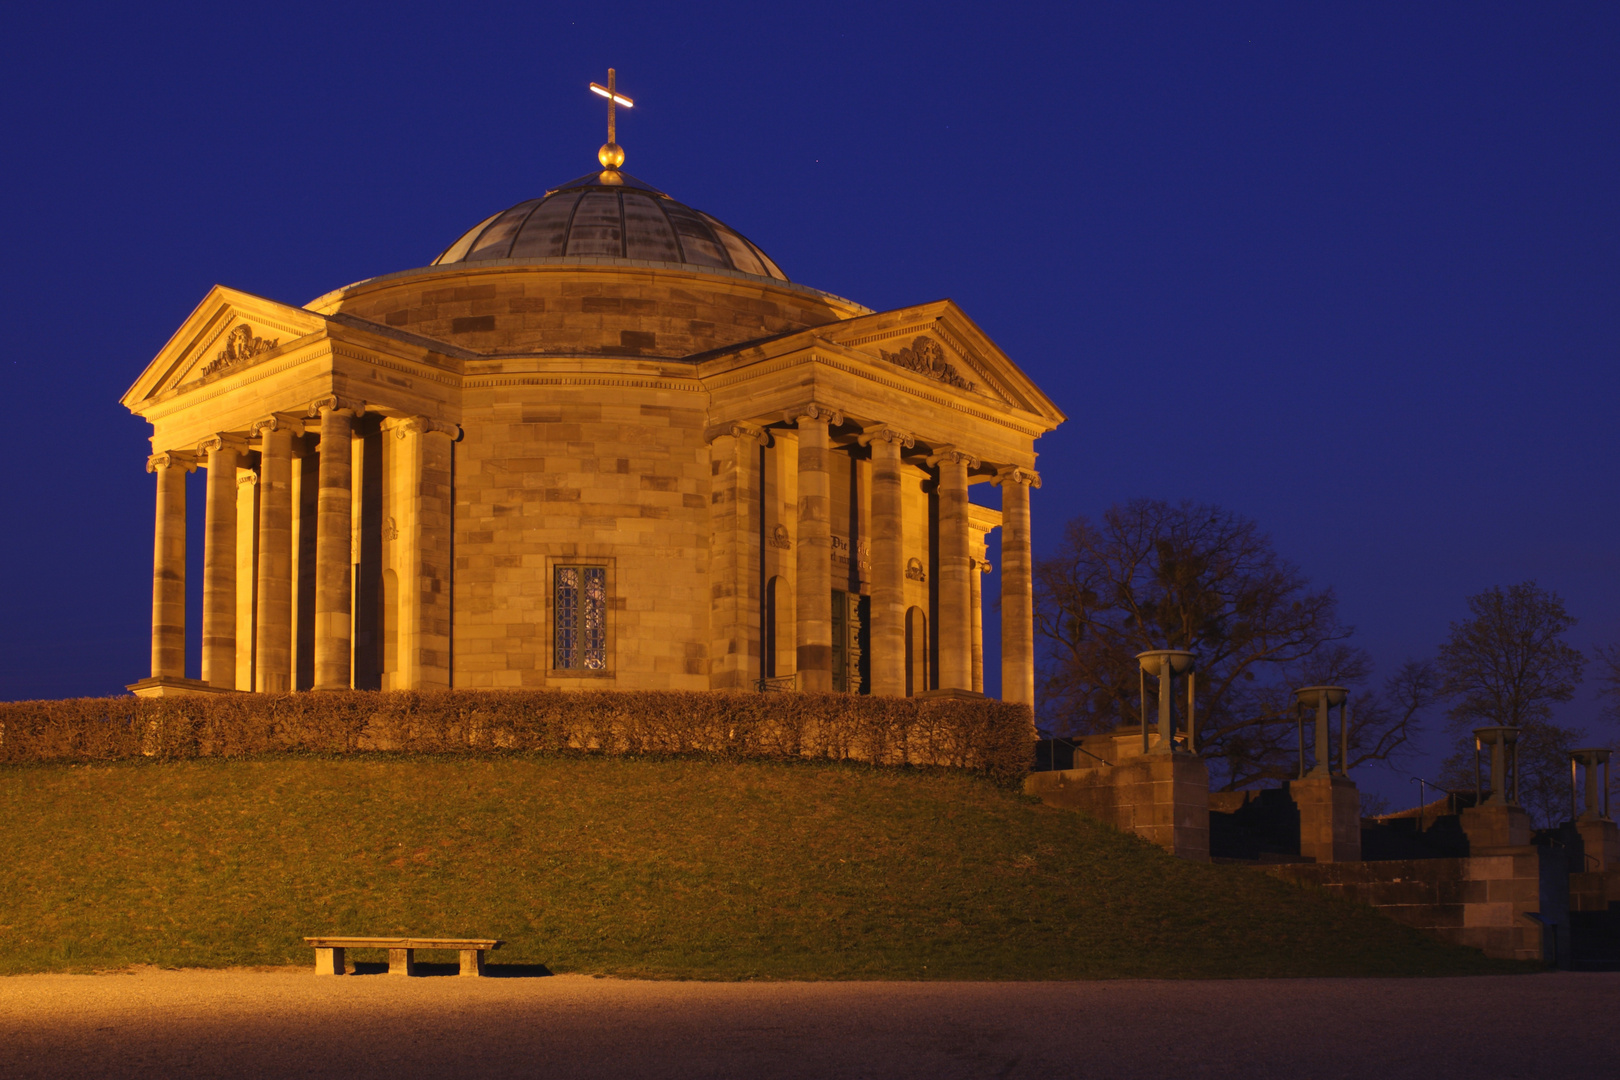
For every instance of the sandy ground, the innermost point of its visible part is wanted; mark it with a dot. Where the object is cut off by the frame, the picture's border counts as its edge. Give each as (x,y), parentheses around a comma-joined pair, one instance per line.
(293,1023)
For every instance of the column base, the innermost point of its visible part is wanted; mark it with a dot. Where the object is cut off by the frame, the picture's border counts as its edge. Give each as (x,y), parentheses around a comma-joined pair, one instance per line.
(1601,839)
(174,686)
(1495,825)
(1329,818)
(950,692)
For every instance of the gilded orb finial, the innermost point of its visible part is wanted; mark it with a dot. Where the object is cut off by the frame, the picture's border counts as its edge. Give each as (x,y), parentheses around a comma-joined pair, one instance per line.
(612,154)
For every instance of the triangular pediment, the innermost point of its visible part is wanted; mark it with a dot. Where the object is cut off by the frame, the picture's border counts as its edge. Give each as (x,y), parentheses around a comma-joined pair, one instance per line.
(229,331)
(938,342)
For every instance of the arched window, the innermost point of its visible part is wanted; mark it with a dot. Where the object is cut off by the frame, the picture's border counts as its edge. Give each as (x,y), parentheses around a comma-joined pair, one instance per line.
(916,651)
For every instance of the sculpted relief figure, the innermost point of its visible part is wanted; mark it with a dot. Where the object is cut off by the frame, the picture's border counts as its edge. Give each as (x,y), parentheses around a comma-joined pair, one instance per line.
(927,357)
(240,345)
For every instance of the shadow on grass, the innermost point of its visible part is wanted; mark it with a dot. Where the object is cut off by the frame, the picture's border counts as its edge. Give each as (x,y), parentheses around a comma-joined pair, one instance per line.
(435,971)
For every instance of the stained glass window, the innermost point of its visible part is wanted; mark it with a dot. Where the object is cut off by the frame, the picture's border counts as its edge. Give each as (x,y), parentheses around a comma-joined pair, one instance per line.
(580,607)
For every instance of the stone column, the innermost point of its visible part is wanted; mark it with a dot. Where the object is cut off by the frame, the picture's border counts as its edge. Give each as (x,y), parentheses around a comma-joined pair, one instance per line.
(272,658)
(333,569)
(813,604)
(219,562)
(169,564)
(888,634)
(786,471)
(1017,587)
(734,630)
(426,610)
(980,568)
(247,573)
(957,571)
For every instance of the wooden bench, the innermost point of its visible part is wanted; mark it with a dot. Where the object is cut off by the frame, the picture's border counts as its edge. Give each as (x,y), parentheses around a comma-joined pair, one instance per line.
(401,952)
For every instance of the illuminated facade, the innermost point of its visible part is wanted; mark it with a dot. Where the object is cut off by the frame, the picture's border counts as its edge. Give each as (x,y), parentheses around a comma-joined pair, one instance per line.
(602,441)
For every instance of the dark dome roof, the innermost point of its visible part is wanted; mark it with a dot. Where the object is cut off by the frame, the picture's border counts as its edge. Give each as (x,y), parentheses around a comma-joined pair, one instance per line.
(610,214)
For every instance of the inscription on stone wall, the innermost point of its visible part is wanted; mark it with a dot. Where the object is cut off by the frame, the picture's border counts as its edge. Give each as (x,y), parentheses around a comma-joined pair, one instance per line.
(927,358)
(240,346)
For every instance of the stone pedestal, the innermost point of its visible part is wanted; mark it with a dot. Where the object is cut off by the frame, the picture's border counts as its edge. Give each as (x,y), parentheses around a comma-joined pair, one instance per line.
(1329,818)
(174,686)
(1163,798)
(1495,825)
(1602,842)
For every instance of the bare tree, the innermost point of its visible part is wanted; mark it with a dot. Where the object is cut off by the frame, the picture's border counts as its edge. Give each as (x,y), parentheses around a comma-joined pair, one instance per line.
(1507,665)
(1608,659)
(1151,575)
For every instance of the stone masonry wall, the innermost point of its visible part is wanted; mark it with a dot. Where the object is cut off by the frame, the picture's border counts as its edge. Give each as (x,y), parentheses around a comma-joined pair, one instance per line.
(614,476)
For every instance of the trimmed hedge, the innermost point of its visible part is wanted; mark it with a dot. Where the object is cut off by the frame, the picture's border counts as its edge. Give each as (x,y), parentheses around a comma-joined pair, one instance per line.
(990,737)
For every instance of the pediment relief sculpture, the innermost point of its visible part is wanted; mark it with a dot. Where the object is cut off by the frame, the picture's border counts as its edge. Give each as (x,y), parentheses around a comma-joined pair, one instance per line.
(927,358)
(240,346)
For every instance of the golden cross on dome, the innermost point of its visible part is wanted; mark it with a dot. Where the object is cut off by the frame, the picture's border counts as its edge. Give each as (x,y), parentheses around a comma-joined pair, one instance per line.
(612,154)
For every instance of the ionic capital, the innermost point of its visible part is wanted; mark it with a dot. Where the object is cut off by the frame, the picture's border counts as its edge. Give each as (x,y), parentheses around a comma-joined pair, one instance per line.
(246,478)
(1012,474)
(277,422)
(224,440)
(885,433)
(954,456)
(172,459)
(333,403)
(820,413)
(424,425)
(737,429)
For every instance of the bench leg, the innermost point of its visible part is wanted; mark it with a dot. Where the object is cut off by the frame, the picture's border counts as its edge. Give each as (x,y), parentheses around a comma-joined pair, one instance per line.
(402,961)
(329,962)
(472,962)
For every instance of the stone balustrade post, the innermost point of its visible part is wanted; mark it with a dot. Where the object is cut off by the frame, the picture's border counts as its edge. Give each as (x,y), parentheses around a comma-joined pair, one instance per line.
(888,607)
(813,604)
(1017,586)
(333,544)
(169,564)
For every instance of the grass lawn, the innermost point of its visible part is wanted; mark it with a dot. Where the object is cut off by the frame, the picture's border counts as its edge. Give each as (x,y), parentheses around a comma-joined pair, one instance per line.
(636,867)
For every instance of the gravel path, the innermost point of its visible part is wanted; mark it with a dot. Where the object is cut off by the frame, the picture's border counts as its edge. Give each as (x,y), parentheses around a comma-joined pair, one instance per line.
(291,1023)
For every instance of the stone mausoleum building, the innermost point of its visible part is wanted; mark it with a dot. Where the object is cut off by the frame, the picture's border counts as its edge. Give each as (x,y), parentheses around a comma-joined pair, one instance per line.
(602,441)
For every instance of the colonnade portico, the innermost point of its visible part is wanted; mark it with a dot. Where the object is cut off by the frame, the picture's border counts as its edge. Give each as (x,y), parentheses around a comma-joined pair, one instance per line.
(255,624)
(915,562)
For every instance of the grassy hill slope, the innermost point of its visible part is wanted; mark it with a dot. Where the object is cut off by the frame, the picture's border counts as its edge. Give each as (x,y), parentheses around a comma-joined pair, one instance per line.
(637,867)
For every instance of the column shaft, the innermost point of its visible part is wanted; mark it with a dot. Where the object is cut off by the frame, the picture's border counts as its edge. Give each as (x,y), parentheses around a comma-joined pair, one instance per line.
(423,622)
(169,567)
(956,572)
(333,570)
(977,580)
(1017,589)
(734,630)
(888,634)
(272,661)
(219,567)
(813,604)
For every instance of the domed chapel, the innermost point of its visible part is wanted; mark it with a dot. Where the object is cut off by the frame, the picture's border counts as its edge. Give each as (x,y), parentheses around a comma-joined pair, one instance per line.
(601,441)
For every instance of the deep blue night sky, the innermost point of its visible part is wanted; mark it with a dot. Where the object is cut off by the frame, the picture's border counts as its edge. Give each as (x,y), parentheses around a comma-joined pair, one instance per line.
(1350,270)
